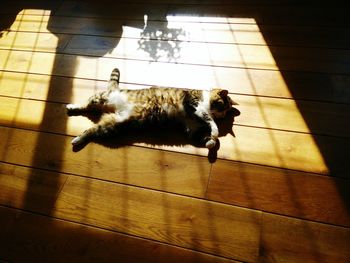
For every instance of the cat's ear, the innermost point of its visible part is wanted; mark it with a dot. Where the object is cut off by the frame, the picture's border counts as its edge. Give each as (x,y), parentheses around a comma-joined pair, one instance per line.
(223,93)
(233,102)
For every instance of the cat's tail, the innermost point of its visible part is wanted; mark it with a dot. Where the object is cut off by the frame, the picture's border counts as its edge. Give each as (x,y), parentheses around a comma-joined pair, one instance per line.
(113,83)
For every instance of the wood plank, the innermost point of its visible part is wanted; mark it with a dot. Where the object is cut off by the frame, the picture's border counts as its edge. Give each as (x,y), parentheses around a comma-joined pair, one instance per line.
(296,151)
(292,240)
(294,115)
(303,152)
(45,42)
(29,114)
(254,82)
(213,54)
(186,222)
(50,240)
(123,10)
(56,25)
(35,7)
(219,229)
(30,189)
(289,35)
(130,165)
(220,55)
(280,13)
(37,86)
(286,192)
(247,31)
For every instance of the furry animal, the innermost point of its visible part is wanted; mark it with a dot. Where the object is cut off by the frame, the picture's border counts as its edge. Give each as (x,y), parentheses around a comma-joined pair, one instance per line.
(194,109)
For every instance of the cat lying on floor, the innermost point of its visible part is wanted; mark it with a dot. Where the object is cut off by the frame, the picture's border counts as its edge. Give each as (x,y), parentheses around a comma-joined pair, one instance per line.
(193,109)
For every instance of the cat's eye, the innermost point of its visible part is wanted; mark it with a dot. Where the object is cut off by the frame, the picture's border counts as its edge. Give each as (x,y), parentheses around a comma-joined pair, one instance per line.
(218,105)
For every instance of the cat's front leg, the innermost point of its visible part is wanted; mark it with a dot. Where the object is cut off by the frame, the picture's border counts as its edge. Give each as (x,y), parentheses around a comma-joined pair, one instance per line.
(210,142)
(214,135)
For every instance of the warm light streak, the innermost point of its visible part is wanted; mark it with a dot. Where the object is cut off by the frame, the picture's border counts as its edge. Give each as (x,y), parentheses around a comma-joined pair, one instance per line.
(185,52)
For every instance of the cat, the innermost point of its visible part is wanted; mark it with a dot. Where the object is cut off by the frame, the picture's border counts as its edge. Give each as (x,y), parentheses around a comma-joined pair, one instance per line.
(194,109)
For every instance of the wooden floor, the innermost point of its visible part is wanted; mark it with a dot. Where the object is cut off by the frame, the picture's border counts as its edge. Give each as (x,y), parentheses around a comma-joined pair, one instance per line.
(278,188)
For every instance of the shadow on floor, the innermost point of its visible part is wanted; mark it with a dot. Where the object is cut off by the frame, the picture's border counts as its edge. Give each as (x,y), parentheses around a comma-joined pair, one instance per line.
(166,134)
(335,155)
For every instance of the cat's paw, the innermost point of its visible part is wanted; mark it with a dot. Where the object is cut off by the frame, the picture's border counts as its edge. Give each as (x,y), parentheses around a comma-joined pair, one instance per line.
(210,144)
(71,107)
(76,141)
(79,143)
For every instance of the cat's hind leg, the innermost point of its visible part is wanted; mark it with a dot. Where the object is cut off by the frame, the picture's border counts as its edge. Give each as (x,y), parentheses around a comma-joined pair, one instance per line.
(75,109)
(105,127)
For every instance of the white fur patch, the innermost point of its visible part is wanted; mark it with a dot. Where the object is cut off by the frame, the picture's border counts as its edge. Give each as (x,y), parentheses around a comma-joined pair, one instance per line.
(210,144)
(72,106)
(123,107)
(76,140)
(214,130)
(204,105)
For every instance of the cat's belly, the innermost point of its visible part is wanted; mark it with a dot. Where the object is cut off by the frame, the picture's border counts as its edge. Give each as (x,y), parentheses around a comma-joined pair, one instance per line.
(119,103)
(173,111)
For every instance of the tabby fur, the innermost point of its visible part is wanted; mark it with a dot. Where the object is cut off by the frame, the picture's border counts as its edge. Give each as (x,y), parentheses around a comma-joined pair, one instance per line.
(194,109)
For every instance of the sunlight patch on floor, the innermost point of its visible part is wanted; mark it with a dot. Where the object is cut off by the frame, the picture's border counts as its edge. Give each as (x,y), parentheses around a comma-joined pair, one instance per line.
(25,62)
(33,20)
(184,52)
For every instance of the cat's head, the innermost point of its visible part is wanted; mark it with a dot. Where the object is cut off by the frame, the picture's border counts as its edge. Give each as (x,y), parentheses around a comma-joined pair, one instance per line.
(220,103)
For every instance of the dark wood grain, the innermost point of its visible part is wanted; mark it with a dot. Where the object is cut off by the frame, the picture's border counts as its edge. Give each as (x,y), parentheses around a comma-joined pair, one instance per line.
(39,238)
(186,222)
(293,240)
(287,192)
